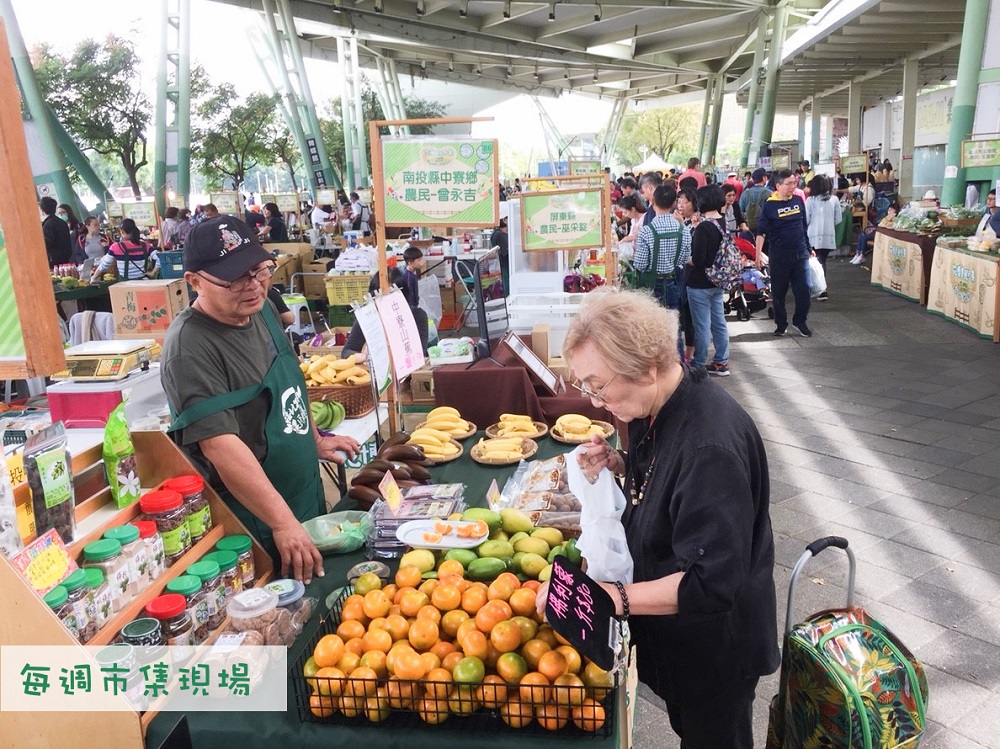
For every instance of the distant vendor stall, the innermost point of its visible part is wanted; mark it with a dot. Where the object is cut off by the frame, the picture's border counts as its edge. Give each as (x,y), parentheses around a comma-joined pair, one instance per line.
(901,263)
(963,288)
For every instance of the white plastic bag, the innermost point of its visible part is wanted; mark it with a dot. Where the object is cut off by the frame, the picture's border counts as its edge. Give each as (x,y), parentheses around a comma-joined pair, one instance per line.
(430,297)
(602,535)
(817,279)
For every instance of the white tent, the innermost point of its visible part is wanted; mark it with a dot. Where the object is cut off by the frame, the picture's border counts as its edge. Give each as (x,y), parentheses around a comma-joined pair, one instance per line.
(652,163)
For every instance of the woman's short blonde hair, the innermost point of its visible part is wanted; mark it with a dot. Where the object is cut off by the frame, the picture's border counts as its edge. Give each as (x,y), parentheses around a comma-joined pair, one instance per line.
(630,330)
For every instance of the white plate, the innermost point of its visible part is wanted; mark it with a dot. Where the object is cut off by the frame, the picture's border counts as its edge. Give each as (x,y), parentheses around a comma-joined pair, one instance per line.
(412,534)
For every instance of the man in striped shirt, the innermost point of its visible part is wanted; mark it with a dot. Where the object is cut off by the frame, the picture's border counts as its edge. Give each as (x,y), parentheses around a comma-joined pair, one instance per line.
(670,242)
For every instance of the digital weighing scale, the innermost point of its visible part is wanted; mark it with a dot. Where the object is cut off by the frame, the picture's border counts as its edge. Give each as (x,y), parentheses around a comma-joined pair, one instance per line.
(107,361)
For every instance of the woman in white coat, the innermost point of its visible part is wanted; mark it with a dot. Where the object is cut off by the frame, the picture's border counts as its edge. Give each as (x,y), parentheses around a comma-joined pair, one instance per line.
(823,213)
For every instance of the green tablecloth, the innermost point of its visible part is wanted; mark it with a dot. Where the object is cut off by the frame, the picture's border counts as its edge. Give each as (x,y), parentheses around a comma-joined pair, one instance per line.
(224,731)
(84,292)
(842,231)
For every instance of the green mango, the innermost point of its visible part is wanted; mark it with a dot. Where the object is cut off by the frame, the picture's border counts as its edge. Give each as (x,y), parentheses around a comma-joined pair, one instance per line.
(557,551)
(499,536)
(464,556)
(515,521)
(486,568)
(533,564)
(517,537)
(533,545)
(489,517)
(496,549)
(572,553)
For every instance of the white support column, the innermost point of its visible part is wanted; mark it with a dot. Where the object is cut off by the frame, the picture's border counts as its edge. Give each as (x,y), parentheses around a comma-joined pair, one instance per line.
(854,118)
(816,113)
(911,69)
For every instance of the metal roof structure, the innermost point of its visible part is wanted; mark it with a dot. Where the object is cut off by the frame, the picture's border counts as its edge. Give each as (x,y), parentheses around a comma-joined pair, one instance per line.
(642,49)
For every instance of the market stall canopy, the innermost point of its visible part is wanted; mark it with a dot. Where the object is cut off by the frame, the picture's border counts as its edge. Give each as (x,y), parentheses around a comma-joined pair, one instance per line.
(652,163)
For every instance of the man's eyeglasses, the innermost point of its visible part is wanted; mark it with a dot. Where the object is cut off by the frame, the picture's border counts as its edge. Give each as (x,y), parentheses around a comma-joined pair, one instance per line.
(243,282)
(597,395)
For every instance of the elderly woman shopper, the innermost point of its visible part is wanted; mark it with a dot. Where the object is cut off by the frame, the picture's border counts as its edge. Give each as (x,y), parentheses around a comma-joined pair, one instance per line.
(702,603)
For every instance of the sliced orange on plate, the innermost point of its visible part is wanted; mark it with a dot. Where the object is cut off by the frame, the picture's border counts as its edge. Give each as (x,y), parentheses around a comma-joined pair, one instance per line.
(443,528)
(480,529)
(432,538)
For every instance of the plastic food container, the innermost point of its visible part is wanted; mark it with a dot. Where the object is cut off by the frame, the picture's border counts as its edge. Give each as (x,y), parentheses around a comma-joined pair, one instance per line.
(292,598)
(229,569)
(253,610)
(107,554)
(199,516)
(243,546)
(76,590)
(178,629)
(189,586)
(208,573)
(167,510)
(57,600)
(154,548)
(134,549)
(98,596)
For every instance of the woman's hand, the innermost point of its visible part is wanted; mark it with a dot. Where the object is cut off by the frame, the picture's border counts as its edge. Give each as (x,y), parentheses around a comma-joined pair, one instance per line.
(597,455)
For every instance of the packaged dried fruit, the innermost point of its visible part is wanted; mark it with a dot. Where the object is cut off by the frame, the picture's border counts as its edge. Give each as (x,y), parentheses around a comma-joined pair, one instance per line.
(49,472)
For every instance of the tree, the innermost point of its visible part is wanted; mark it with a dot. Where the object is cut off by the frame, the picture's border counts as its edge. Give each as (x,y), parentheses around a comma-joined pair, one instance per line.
(332,123)
(97,94)
(233,135)
(287,152)
(663,131)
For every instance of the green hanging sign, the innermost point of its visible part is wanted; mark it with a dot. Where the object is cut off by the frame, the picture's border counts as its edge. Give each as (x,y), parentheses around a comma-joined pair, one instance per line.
(562,220)
(438,182)
(980,153)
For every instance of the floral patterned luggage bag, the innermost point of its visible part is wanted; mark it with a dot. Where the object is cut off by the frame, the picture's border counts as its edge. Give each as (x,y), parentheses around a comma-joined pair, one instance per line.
(846,680)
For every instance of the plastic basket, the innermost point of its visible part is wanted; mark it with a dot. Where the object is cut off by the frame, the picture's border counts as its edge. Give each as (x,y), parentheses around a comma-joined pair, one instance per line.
(171,263)
(340,316)
(345,289)
(478,720)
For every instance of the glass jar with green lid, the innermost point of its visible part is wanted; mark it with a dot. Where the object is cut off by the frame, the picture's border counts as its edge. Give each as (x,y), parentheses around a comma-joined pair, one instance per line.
(243,546)
(229,569)
(76,592)
(98,596)
(191,588)
(216,595)
(135,552)
(107,555)
(57,599)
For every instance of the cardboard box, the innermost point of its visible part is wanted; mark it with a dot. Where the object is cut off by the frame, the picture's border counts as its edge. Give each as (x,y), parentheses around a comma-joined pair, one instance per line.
(558,365)
(330,343)
(540,340)
(303,250)
(287,265)
(448,301)
(422,385)
(145,309)
(313,286)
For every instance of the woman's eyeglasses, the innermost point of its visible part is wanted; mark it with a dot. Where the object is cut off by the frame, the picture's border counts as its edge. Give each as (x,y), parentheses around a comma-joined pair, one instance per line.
(597,395)
(243,282)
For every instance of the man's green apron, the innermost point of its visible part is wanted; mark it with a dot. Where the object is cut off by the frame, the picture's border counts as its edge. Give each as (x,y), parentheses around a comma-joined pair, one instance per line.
(292,463)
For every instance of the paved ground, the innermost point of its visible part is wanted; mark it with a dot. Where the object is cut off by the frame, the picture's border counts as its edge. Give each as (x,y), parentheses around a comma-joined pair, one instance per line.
(884,427)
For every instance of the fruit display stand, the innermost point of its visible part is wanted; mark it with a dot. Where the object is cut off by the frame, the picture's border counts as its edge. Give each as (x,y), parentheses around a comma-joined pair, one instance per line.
(220,731)
(28,621)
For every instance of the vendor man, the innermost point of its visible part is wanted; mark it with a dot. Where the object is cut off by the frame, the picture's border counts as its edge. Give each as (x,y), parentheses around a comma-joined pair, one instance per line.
(238,398)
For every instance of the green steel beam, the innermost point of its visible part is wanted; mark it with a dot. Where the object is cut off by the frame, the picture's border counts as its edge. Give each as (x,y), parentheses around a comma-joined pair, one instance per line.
(80,162)
(758,61)
(172,159)
(769,100)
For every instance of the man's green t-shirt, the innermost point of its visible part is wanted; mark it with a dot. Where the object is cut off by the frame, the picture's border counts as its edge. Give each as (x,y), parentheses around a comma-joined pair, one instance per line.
(202,358)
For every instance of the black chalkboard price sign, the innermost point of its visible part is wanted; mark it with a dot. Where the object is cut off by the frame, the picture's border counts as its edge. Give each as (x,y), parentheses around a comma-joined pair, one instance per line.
(581,611)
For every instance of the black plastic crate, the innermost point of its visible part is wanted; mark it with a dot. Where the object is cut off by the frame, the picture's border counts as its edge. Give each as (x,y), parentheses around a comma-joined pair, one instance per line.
(482,719)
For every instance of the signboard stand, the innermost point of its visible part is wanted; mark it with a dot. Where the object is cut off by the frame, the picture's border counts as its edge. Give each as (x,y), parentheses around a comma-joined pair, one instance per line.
(580,610)
(378,209)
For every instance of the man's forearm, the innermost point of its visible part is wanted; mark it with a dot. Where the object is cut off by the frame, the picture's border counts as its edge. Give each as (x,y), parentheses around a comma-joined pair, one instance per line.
(245,478)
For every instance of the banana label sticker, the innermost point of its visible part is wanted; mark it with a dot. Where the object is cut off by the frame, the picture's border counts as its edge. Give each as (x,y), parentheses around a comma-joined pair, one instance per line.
(294,411)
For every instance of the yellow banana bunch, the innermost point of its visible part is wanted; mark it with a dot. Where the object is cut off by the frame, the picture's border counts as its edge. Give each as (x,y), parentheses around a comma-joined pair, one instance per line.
(502,448)
(575,424)
(330,370)
(434,443)
(447,419)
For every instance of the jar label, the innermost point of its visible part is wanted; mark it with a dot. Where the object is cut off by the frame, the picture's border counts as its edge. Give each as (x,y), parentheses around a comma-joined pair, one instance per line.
(221,599)
(119,583)
(176,541)
(181,644)
(200,522)
(80,612)
(103,605)
(154,557)
(200,613)
(138,565)
(246,569)
(72,624)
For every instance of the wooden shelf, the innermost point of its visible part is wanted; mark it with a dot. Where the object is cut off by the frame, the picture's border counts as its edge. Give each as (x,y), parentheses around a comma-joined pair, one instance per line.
(28,621)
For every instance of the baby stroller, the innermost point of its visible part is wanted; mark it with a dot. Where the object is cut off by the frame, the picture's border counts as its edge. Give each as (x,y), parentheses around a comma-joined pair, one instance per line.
(754,293)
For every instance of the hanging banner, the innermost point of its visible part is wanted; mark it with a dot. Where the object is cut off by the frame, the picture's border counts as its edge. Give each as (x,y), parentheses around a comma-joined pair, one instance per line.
(437,182)
(781,161)
(562,220)
(114,209)
(11,337)
(177,201)
(378,347)
(980,153)
(326,196)
(854,164)
(143,213)
(287,202)
(401,333)
(228,203)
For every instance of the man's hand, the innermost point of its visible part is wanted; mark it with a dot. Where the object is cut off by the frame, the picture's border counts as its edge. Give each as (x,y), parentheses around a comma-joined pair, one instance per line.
(335,447)
(299,556)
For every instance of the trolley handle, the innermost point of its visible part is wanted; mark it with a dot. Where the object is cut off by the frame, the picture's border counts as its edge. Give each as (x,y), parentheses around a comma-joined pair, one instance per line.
(825,543)
(812,550)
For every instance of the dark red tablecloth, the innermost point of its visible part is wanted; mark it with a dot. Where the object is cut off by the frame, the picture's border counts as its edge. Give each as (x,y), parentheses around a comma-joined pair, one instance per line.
(926,244)
(487,389)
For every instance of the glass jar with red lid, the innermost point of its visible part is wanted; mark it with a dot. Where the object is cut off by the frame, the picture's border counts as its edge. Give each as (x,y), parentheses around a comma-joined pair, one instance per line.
(191,487)
(171,611)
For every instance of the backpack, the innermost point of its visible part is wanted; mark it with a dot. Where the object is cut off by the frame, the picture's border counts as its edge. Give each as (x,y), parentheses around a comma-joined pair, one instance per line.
(752,213)
(647,279)
(727,269)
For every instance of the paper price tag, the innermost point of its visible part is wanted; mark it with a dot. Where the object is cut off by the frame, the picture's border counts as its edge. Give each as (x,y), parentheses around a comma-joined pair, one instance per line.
(391,492)
(493,496)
